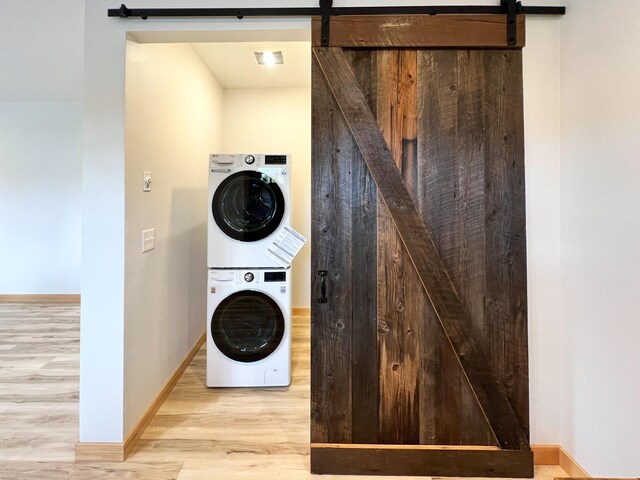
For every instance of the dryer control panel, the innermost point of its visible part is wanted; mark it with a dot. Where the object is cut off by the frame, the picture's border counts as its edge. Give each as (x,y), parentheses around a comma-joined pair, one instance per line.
(219,162)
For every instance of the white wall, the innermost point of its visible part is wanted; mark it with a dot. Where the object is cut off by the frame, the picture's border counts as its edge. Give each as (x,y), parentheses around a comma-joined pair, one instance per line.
(278,120)
(40,188)
(600,226)
(40,146)
(173,122)
(542,80)
(41,54)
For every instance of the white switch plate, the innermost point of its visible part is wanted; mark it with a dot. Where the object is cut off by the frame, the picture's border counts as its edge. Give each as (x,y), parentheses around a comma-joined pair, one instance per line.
(148,240)
(146,182)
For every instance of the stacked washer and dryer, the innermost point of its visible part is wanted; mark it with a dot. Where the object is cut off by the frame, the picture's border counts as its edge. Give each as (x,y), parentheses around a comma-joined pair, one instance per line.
(249,294)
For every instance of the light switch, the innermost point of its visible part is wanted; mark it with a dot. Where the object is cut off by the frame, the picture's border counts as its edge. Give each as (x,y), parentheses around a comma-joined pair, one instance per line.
(146,182)
(148,240)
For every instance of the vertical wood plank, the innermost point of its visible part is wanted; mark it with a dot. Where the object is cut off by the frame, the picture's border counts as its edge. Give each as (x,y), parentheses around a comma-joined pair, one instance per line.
(440,388)
(364,217)
(401,301)
(332,149)
(505,321)
(451,201)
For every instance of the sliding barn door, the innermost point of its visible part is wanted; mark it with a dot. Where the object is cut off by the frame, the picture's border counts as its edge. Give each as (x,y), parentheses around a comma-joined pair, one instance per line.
(419,359)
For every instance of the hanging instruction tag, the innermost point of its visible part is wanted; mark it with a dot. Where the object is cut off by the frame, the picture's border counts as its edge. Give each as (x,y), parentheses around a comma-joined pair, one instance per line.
(286,246)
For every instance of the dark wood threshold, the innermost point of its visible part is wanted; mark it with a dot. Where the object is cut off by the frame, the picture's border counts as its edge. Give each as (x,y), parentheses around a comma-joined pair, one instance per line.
(420,460)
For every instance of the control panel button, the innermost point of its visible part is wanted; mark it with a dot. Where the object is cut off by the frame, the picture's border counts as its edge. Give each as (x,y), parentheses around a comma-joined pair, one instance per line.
(249,159)
(248,277)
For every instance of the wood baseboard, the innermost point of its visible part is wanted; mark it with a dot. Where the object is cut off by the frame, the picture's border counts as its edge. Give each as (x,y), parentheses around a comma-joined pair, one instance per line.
(118,452)
(546,454)
(139,428)
(29,298)
(99,452)
(570,466)
(556,455)
(301,312)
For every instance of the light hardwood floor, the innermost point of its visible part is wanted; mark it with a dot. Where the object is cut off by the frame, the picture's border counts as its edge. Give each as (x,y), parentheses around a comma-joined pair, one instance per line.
(198,433)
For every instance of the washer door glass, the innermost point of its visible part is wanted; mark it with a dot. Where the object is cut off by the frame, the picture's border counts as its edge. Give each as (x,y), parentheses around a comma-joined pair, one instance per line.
(247,326)
(248,206)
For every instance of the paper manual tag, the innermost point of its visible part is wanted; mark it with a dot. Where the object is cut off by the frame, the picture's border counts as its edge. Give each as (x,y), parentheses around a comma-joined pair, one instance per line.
(286,246)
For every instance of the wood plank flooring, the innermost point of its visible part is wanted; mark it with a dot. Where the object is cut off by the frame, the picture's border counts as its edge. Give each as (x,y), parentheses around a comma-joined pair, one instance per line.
(39,354)
(199,433)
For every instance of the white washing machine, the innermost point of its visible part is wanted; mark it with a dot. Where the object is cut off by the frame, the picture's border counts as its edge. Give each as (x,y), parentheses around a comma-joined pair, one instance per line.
(249,328)
(248,206)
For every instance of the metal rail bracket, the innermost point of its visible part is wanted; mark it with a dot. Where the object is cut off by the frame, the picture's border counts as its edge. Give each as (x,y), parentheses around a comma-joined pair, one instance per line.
(512,8)
(325,8)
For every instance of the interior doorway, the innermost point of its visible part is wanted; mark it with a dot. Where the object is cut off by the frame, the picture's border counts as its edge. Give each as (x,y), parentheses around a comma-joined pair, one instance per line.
(189,96)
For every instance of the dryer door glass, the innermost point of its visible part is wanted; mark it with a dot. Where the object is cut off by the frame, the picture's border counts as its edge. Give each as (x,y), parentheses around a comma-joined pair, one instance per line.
(247,326)
(248,206)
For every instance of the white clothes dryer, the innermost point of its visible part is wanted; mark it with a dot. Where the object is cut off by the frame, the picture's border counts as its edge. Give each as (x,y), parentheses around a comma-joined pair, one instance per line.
(249,328)
(249,204)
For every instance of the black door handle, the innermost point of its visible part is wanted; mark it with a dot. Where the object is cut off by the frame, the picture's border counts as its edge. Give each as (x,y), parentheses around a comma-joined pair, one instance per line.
(323,286)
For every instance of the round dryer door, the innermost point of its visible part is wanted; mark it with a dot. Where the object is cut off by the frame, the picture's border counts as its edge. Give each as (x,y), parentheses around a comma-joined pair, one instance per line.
(248,206)
(247,326)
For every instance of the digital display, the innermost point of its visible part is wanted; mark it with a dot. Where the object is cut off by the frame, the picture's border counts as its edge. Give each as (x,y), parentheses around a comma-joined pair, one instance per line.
(275,276)
(275,159)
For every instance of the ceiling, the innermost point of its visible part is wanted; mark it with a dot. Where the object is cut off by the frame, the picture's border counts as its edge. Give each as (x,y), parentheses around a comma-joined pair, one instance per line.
(235,66)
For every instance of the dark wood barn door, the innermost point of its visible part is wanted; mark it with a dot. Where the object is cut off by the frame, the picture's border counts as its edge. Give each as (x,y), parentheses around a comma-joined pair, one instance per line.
(419,321)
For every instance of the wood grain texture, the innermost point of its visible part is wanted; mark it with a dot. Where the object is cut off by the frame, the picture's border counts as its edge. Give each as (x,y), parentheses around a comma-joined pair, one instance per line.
(99,452)
(144,421)
(424,255)
(400,302)
(419,31)
(48,299)
(331,403)
(364,340)
(39,362)
(546,454)
(451,201)
(505,308)
(446,462)
(118,452)
(471,111)
(569,465)
(197,434)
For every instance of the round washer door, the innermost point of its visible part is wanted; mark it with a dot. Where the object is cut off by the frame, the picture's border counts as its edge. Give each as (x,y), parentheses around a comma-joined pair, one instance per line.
(247,326)
(248,206)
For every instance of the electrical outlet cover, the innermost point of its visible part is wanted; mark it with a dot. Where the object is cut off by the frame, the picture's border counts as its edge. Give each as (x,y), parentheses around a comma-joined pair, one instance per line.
(148,240)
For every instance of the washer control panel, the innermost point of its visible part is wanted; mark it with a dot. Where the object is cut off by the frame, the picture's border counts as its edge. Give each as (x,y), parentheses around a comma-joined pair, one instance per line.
(239,277)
